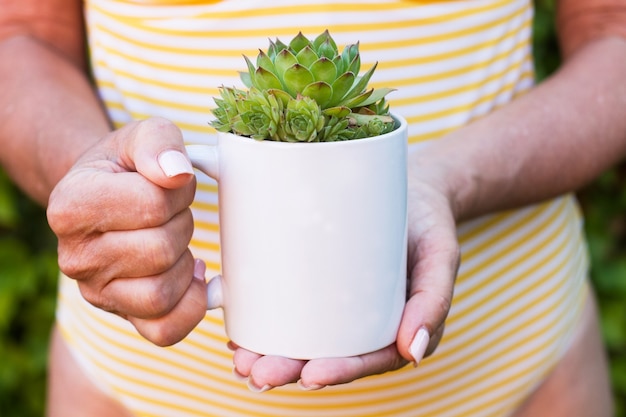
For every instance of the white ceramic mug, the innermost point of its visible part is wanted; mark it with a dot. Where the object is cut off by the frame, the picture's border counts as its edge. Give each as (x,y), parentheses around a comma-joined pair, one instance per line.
(313,242)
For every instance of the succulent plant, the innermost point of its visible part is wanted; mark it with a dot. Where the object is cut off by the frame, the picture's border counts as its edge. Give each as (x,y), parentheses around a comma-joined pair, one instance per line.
(305,91)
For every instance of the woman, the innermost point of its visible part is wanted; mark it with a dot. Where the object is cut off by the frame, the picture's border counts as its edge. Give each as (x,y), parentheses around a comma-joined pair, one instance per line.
(494,160)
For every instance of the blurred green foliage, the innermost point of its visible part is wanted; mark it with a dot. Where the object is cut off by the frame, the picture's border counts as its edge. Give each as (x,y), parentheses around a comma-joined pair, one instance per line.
(28,269)
(28,276)
(604,204)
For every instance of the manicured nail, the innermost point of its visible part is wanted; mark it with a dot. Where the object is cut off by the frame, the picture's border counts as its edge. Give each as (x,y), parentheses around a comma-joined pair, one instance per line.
(419,345)
(252,387)
(174,163)
(313,387)
(199,269)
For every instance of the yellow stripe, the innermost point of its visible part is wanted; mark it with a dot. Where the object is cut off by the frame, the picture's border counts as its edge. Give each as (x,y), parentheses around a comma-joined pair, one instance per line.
(463,108)
(414,119)
(215,247)
(535,253)
(210,207)
(304,9)
(397,83)
(132,334)
(450,335)
(211,227)
(456,72)
(349,28)
(221,72)
(209,188)
(171,388)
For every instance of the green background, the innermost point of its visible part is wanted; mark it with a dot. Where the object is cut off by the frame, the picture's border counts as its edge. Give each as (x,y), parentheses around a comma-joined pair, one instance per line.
(28,270)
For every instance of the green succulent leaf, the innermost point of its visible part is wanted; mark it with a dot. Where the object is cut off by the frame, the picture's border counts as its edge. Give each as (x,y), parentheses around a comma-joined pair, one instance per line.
(365,126)
(325,38)
(264,61)
(265,80)
(364,119)
(280,95)
(303,120)
(358,100)
(304,91)
(355,64)
(250,73)
(284,60)
(298,43)
(296,78)
(275,48)
(327,49)
(335,129)
(271,51)
(376,95)
(338,112)
(307,56)
(350,58)
(341,67)
(319,91)
(260,115)
(226,112)
(361,84)
(324,70)
(246,79)
(341,86)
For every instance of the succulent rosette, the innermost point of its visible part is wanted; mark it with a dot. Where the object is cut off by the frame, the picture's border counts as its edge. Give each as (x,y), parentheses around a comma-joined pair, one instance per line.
(305,91)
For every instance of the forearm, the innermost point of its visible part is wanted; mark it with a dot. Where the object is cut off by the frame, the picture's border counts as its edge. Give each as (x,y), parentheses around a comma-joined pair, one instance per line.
(552,140)
(49,114)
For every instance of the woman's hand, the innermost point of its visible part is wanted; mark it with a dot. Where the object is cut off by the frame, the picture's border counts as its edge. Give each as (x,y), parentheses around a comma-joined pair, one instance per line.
(123,223)
(433,263)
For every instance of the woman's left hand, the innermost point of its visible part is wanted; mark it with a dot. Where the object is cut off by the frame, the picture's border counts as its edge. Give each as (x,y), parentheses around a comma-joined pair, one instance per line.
(433,259)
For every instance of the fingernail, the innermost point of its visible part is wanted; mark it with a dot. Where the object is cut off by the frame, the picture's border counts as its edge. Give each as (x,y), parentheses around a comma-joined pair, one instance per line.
(419,345)
(238,376)
(313,387)
(174,163)
(252,387)
(199,269)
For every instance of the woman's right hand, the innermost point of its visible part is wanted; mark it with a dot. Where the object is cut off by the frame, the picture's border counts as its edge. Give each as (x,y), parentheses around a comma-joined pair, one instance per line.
(123,223)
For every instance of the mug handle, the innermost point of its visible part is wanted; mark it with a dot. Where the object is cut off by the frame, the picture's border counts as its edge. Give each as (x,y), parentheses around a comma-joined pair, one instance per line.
(205,158)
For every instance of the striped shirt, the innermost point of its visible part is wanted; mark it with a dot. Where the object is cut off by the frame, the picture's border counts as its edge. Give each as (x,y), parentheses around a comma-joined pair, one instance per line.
(521,283)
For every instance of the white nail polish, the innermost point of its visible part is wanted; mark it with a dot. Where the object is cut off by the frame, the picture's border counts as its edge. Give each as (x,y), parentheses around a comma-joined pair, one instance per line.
(254,388)
(174,163)
(199,269)
(418,345)
(313,387)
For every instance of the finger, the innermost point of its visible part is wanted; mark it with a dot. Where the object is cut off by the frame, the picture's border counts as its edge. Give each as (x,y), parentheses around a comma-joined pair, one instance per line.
(103,192)
(430,292)
(319,373)
(134,253)
(180,321)
(153,147)
(156,150)
(143,297)
(273,371)
(89,200)
(243,359)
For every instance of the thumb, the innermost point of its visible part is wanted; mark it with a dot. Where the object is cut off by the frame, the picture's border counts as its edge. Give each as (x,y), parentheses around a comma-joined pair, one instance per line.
(156,150)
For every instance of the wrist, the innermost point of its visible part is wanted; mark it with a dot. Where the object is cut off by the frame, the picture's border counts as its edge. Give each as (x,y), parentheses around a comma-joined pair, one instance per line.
(440,166)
